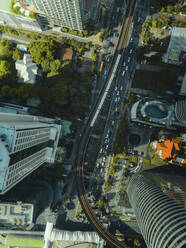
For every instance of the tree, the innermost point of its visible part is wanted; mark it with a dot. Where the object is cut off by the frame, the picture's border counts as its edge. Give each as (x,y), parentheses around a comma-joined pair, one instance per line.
(94,56)
(154,23)
(6,49)
(137,243)
(85,32)
(55,65)
(5,69)
(22,93)
(32,15)
(41,51)
(45,64)
(5,89)
(92,69)
(170,8)
(17,54)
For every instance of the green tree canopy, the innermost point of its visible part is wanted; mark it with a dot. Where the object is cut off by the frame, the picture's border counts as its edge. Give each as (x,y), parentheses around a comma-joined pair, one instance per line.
(5,89)
(94,56)
(41,51)
(154,23)
(17,54)
(5,69)
(6,48)
(55,65)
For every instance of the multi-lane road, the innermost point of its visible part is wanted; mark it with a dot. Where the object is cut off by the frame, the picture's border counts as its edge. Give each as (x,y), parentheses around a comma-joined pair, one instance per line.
(111,240)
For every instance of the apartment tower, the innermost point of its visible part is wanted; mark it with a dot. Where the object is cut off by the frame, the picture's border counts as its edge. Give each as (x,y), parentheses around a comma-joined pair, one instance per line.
(73,14)
(159,202)
(26,143)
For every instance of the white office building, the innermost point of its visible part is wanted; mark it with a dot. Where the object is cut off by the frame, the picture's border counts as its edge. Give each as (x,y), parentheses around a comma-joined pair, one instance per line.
(26,143)
(73,14)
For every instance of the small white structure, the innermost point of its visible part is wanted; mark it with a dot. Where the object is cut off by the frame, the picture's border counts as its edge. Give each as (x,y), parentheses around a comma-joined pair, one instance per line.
(27,70)
(22,47)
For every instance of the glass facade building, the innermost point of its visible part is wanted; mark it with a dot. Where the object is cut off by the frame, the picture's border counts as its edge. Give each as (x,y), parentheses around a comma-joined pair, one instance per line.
(159,202)
(26,142)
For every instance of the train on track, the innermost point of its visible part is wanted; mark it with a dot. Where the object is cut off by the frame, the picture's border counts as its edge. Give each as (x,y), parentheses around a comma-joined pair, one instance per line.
(106,90)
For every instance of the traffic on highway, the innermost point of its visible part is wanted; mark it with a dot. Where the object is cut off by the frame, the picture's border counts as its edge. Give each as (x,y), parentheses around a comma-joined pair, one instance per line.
(118,72)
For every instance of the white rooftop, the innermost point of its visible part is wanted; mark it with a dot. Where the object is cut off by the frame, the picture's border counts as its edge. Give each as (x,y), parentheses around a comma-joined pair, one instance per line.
(27,70)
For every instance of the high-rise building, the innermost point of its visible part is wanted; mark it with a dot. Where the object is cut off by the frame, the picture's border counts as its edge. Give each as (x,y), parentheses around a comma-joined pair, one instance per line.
(26,143)
(158,199)
(180,111)
(73,14)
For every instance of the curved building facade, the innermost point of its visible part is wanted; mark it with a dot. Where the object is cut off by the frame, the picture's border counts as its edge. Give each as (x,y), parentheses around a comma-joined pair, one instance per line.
(159,202)
(180,111)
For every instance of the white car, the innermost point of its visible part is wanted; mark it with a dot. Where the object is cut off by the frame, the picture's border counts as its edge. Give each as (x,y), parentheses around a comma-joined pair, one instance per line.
(123,73)
(129,59)
(124,63)
(130,51)
(117,94)
(126,68)
(116,99)
(121,88)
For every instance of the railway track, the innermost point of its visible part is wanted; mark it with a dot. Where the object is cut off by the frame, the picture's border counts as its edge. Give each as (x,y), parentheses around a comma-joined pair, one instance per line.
(110,239)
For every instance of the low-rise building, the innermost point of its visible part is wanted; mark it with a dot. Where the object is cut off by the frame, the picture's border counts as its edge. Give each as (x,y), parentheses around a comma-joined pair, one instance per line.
(27,70)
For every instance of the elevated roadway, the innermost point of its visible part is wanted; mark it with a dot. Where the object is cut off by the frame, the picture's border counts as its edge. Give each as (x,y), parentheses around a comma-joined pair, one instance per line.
(109,238)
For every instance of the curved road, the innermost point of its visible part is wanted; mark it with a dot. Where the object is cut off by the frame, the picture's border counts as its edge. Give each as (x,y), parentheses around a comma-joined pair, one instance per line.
(111,240)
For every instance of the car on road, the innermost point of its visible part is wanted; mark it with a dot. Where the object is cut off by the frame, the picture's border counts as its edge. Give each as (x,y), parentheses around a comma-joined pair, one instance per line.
(117,94)
(106,140)
(121,88)
(123,73)
(126,68)
(124,63)
(130,51)
(119,85)
(106,146)
(112,113)
(116,99)
(129,59)
(113,122)
(116,109)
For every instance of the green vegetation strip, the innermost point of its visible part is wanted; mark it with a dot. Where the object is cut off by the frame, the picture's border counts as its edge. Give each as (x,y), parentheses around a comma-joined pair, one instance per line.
(17,241)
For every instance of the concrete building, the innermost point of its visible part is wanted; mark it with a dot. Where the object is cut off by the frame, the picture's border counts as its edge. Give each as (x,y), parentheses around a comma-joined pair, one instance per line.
(158,113)
(82,239)
(27,71)
(176,52)
(26,143)
(16,214)
(72,14)
(158,198)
